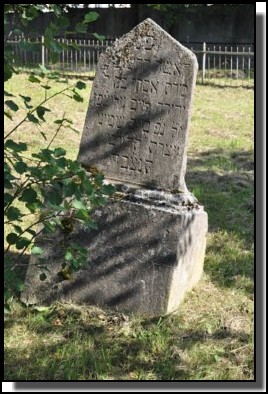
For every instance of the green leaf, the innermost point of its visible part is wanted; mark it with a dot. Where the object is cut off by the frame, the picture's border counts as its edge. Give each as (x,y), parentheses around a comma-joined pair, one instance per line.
(17,147)
(56,9)
(91,17)
(58,152)
(54,75)
(22,242)
(43,69)
(66,204)
(81,27)
(8,71)
(42,277)
(91,224)
(7,308)
(12,238)
(19,285)
(7,198)
(75,166)
(88,187)
(7,184)
(99,178)
(31,12)
(33,206)
(37,251)
(28,195)
(81,214)
(30,231)
(44,155)
(46,87)
(33,79)
(78,98)
(75,46)
(20,167)
(29,46)
(18,229)
(66,47)
(49,228)
(26,98)
(108,189)
(33,119)
(54,198)
(62,162)
(69,189)
(56,46)
(41,308)
(8,115)
(79,205)
(54,57)
(8,94)
(72,128)
(41,112)
(63,22)
(50,170)
(59,121)
(68,256)
(9,274)
(8,177)
(13,213)
(80,85)
(13,106)
(98,36)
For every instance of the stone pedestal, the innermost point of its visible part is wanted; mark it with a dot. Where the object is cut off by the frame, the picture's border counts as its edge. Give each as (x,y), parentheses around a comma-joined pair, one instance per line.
(150,245)
(144,256)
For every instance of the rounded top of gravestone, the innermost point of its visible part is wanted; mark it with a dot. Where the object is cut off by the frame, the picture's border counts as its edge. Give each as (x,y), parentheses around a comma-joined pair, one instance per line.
(137,123)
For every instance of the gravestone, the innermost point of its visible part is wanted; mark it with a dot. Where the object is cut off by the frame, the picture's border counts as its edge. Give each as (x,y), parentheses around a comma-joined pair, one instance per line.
(150,244)
(137,123)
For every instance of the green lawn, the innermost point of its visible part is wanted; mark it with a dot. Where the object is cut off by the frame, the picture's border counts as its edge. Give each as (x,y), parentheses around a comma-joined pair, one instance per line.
(211,337)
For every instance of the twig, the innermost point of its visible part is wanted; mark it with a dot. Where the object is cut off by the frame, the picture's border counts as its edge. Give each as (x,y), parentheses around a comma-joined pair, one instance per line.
(56,133)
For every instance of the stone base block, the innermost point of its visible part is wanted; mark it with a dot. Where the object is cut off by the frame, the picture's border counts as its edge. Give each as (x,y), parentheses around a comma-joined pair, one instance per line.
(142,259)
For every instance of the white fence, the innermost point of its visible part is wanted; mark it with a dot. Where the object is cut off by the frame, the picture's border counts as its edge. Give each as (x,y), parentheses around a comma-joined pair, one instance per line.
(227,64)
(224,64)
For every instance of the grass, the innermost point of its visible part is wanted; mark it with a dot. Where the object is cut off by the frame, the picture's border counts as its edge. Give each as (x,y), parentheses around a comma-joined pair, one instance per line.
(212,335)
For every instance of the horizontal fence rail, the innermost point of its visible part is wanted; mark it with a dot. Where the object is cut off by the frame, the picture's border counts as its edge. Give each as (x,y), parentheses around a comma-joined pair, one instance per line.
(226,64)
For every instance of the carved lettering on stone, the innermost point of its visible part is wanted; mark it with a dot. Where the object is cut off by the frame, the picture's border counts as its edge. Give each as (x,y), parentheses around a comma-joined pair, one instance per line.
(137,123)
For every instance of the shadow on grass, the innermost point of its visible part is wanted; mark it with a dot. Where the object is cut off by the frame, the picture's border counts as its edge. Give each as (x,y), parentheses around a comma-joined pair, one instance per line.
(223,182)
(137,356)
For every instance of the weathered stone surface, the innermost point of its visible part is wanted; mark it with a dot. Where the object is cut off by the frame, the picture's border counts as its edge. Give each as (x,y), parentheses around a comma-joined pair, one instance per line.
(137,124)
(150,245)
(143,259)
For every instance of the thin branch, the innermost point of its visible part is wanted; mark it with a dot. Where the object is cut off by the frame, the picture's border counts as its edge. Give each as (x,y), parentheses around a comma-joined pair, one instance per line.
(22,156)
(35,223)
(17,193)
(56,133)
(24,249)
(34,109)
(7,267)
(41,221)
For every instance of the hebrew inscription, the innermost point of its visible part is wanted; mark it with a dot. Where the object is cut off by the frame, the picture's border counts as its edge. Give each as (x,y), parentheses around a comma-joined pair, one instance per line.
(137,122)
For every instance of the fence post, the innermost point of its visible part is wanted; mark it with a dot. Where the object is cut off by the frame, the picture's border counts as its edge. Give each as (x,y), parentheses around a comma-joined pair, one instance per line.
(204,62)
(249,64)
(43,50)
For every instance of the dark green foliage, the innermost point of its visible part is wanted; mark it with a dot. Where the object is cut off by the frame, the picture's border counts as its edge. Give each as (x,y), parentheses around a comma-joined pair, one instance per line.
(57,190)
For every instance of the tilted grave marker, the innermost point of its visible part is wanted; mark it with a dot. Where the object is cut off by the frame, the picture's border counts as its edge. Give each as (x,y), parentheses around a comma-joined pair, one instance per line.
(150,245)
